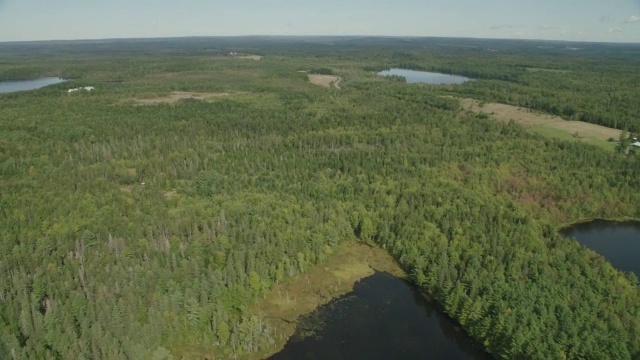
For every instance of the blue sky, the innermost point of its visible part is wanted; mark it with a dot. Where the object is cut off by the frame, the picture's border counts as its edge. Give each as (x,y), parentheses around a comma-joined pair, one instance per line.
(584,20)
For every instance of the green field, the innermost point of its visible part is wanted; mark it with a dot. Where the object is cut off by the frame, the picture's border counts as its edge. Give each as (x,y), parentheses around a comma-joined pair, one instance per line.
(146,232)
(555,133)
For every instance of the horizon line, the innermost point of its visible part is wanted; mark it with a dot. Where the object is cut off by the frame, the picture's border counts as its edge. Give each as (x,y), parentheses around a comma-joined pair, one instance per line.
(97,39)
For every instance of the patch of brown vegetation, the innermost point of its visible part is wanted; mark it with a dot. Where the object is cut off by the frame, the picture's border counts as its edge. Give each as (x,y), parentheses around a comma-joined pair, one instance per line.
(170,194)
(350,262)
(127,189)
(250,57)
(324,80)
(177,96)
(557,71)
(529,118)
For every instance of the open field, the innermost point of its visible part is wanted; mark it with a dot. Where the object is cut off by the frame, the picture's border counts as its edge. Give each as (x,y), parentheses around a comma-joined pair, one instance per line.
(250,57)
(324,80)
(177,96)
(545,124)
(557,71)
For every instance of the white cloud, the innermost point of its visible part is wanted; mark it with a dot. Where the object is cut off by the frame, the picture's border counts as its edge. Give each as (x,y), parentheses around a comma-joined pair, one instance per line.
(614,30)
(632,19)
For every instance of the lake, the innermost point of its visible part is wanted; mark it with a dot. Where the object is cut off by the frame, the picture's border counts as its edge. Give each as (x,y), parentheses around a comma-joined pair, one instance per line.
(22,85)
(618,242)
(383,318)
(425,77)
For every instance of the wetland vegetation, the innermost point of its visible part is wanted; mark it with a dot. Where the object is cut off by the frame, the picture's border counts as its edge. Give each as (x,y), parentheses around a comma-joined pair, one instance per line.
(155,231)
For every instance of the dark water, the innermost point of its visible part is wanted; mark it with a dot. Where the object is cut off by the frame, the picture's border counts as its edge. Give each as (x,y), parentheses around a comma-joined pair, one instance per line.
(413,76)
(22,85)
(618,242)
(383,318)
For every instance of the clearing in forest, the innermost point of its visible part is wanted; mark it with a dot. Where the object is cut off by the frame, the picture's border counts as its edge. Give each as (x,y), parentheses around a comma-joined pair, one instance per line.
(177,96)
(545,124)
(250,57)
(325,80)
(557,71)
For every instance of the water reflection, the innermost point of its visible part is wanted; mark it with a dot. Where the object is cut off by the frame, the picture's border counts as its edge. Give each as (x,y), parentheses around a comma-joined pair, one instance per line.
(618,242)
(383,318)
(425,77)
(22,85)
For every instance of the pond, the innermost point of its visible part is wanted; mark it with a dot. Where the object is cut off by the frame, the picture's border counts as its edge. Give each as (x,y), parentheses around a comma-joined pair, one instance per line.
(22,85)
(425,77)
(383,318)
(618,242)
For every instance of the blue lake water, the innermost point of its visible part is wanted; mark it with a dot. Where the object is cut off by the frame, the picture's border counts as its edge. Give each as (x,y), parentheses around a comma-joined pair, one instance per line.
(618,242)
(23,85)
(425,77)
(383,318)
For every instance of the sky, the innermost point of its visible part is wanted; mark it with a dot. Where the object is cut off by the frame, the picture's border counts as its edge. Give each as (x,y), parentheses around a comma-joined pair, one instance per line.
(582,20)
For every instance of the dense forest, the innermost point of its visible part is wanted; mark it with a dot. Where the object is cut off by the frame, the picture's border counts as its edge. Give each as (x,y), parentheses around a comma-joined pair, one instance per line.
(145,231)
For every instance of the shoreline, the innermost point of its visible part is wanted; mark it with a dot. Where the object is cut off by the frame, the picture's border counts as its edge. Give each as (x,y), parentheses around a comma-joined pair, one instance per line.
(285,303)
(622,219)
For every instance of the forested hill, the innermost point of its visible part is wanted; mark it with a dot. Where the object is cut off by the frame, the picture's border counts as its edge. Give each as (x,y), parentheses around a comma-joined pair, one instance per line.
(145,231)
